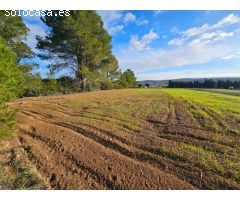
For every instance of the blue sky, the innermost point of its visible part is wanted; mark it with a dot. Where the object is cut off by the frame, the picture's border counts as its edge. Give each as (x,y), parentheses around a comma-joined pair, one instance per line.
(162,45)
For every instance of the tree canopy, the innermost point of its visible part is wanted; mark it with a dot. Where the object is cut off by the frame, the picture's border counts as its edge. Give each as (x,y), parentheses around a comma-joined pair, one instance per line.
(11,85)
(207,83)
(128,79)
(81,43)
(13,30)
(11,77)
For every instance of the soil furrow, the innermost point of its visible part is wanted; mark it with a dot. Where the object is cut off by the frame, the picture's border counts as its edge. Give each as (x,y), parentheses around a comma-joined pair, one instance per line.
(58,148)
(150,183)
(142,157)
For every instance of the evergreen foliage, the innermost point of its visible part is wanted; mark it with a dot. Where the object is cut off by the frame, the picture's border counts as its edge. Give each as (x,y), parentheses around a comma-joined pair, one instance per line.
(11,85)
(207,83)
(127,79)
(81,43)
(13,30)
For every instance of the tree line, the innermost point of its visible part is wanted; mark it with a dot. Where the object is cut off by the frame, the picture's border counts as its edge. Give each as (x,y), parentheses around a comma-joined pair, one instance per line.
(78,43)
(207,83)
(37,86)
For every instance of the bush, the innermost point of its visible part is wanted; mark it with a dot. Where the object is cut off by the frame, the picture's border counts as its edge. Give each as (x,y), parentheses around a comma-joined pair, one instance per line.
(34,86)
(67,84)
(107,85)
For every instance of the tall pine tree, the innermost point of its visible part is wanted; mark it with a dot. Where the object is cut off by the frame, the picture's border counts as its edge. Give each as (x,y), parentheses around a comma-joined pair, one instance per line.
(81,43)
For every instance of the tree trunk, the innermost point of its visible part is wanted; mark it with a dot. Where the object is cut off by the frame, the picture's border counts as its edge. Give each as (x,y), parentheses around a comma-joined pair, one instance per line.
(81,79)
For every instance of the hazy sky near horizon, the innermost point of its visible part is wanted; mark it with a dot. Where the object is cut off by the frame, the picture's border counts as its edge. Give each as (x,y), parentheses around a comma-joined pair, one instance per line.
(162,45)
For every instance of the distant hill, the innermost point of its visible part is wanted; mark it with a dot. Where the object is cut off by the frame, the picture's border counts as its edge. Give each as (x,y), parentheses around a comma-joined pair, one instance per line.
(162,83)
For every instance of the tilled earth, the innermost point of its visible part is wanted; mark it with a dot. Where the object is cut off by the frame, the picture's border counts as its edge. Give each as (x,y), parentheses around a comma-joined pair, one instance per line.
(125,139)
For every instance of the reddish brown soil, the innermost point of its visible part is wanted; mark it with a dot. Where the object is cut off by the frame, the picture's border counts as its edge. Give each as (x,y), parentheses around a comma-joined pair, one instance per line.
(74,147)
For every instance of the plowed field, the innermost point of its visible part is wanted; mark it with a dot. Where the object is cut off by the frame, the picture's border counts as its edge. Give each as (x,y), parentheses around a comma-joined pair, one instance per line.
(133,139)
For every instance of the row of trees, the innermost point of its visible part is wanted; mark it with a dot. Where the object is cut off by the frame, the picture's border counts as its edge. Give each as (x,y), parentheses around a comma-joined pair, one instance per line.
(207,83)
(37,86)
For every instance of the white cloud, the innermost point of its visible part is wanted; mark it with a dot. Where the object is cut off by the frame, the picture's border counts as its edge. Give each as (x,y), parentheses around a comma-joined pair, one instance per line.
(208,36)
(129,17)
(229,57)
(205,33)
(111,21)
(174,30)
(142,22)
(114,20)
(143,43)
(176,41)
(228,20)
(113,30)
(110,16)
(196,31)
(34,30)
(187,74)
(223,35)
(180,56)
(211,37)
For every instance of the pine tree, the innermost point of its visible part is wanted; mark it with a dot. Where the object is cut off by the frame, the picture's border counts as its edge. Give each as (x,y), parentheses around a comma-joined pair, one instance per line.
(81,43)
(13,30)
(127,79)
(11,85)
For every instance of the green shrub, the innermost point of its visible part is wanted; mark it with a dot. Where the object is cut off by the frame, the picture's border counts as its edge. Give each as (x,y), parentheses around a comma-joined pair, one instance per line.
(11,85)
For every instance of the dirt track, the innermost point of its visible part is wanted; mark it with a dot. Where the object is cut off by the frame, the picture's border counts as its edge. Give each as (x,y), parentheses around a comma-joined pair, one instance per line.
(75,146)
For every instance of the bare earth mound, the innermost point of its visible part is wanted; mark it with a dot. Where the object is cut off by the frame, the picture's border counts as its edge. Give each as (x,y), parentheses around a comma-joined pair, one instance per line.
(126,139)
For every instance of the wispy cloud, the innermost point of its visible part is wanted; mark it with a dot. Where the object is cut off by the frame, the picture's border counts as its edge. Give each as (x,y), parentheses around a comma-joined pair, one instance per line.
(34,30)
(115,21)
(115,29)
(192,53)
(110,17)
(211,37)
(156,59)
(140,44)
(228,20)
(206,33)
(174,30)
(187,74)
(129,17)
(112,20)
(176,41)
(196,31)
(142,22)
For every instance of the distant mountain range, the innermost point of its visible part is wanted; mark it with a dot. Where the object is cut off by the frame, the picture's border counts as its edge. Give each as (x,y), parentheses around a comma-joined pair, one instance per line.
(161,83)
